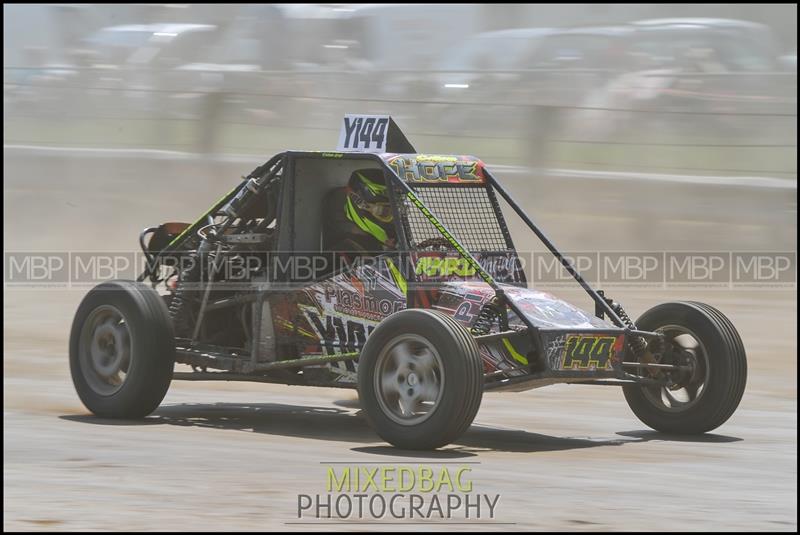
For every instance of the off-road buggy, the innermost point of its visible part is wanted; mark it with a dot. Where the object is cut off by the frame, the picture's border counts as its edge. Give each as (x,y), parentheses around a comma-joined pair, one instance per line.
(250,292)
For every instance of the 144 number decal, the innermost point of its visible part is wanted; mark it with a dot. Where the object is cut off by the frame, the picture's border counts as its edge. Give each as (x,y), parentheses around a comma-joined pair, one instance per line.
(588,352)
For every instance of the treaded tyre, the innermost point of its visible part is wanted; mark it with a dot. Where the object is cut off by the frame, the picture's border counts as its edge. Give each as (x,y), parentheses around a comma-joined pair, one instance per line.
(705,396)
(420,379)
(121,350)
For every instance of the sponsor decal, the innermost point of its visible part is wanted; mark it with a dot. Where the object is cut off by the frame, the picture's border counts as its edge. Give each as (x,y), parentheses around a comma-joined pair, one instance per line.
(437,169)
(437,266)
(367,306)
(468,310)
(339,335)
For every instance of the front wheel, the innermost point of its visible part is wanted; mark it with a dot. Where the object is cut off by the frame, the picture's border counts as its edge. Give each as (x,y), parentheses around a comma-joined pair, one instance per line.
(122,350)
(420,379)
(707,391)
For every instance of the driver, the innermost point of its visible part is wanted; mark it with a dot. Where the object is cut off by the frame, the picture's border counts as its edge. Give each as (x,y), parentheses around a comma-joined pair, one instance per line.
(362,221)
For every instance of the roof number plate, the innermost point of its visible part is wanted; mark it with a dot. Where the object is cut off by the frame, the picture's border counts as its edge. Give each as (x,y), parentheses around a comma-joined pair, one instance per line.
(364,133)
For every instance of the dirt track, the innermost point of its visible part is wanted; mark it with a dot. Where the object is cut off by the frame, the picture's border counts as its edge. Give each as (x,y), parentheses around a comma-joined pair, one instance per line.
(236,456)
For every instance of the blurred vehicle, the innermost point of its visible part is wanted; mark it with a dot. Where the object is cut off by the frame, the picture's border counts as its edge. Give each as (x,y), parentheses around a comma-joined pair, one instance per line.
(163,45)
(471,63)
(569,64)
(737,45)
(398,47)
(545,68)
(189,71)
(475,70)
(707,66)
(485,62)
(131,63)
(690,49)
(574,78)
(789,62)
(393,36)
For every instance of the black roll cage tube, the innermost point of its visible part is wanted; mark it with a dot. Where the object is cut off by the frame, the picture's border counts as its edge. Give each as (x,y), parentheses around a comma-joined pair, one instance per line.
(598,299)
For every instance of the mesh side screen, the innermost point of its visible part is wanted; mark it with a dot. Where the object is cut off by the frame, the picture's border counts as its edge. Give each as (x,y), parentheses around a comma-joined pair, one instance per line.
(466,212)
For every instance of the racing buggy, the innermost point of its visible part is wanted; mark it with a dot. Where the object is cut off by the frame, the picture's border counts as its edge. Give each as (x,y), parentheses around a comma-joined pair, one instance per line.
(254,290)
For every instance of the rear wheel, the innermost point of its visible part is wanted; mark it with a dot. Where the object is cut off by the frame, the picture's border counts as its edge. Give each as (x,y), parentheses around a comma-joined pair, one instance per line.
(706,393)
(122,350)
(420,379)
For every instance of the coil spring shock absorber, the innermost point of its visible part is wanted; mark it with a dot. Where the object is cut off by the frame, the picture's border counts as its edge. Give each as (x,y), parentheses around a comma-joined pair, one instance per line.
(178,302)
(186,277)
(637,343)
(490,312)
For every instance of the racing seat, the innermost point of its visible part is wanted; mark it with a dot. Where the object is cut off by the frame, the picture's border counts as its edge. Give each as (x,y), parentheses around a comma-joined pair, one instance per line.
(333,228)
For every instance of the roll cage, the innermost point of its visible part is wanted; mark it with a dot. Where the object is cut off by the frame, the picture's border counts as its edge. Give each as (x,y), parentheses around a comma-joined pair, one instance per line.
(404,196)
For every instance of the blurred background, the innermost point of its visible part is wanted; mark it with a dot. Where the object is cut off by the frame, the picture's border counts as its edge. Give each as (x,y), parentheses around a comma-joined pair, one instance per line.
(665,120)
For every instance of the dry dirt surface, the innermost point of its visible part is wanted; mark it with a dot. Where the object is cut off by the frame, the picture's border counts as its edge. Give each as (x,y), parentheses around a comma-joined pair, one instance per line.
(235,456)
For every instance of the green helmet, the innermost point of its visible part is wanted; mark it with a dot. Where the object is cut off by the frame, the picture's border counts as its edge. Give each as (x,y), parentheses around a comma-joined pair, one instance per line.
(367,204)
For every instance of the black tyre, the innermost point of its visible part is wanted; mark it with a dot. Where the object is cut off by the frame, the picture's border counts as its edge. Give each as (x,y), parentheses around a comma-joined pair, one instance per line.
(122,350)
(420,379)
(703,397)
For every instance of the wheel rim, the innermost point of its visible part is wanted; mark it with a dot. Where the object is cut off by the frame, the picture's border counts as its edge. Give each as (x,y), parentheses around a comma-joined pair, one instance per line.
(409,379)
(684,391)
(105,350)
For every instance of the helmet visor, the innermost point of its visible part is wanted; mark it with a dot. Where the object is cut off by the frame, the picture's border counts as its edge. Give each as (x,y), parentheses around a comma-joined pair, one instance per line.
(382,211)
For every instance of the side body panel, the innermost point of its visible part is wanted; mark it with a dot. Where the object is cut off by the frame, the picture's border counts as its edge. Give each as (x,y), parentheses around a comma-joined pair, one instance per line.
(335,316)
